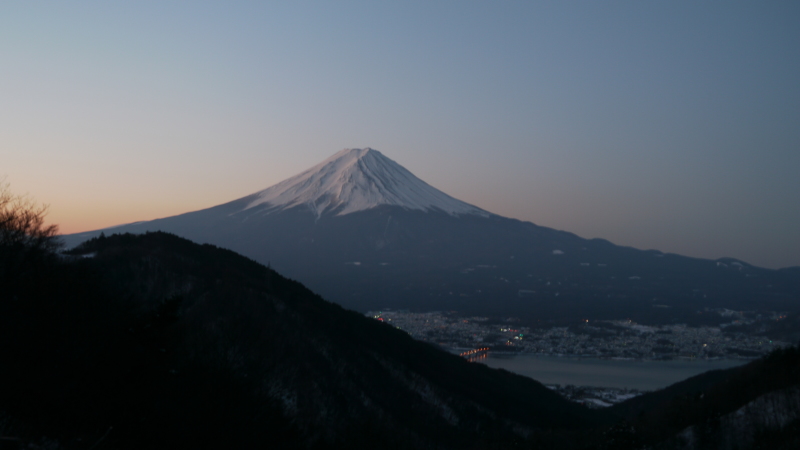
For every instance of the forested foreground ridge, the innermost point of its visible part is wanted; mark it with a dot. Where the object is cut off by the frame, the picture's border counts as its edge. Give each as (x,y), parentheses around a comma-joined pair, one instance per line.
(152,341)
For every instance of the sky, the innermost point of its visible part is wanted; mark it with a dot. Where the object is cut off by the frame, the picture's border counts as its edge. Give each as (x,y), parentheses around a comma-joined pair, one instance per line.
(659,125)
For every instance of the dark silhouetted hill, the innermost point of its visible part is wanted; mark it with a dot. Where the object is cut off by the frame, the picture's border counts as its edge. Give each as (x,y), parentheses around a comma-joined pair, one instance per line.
(152,341)
(753,406)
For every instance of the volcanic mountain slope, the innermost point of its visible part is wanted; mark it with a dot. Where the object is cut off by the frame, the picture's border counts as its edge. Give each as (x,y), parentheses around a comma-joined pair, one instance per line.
(153,341)
(364,232)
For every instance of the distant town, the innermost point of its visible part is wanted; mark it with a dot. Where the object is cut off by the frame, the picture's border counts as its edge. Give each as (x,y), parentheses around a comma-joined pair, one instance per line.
(473,337)
(601,339)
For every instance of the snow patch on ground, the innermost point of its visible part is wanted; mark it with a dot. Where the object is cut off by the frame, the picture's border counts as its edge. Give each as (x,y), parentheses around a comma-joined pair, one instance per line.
(597,402)
(595,397)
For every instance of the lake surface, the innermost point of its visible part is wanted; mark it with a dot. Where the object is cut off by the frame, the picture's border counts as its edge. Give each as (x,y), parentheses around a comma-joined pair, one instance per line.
(642,375)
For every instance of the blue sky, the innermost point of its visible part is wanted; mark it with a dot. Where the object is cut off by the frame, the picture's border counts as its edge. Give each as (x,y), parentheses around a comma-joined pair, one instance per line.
(668,125)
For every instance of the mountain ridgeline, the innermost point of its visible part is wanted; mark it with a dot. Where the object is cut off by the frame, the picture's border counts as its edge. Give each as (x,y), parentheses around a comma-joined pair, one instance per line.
(367,234)
(153,341)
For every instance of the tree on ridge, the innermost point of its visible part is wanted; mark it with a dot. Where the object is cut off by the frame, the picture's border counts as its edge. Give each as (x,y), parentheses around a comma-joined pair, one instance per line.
(22,223)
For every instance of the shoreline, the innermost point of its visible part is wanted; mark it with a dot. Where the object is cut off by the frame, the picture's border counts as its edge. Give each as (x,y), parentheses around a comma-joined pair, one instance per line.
(457,350)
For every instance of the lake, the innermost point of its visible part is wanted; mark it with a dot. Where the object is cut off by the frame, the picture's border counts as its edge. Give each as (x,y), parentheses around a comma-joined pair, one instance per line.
(642,375)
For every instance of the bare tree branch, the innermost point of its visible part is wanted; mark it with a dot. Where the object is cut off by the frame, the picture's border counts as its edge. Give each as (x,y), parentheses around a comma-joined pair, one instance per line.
(22,222)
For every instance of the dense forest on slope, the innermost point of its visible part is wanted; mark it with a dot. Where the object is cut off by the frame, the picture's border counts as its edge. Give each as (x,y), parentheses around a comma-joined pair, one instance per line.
(155,341)
(763,394)
(152,341)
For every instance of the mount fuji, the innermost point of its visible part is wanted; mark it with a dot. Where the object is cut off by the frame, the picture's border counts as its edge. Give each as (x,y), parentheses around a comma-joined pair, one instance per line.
(364,232)
(357,180)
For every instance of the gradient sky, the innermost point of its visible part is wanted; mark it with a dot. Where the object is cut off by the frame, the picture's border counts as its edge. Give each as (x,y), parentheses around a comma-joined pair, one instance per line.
(669,125)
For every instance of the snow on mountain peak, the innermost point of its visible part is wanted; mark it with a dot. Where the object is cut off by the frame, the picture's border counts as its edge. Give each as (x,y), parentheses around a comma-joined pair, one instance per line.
(355,180)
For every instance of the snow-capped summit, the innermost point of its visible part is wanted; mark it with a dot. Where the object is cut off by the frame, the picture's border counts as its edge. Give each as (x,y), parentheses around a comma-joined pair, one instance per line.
(355,180)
